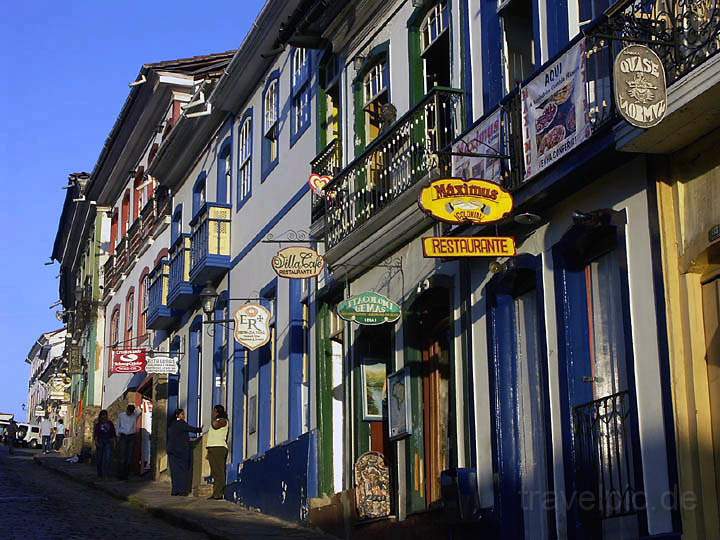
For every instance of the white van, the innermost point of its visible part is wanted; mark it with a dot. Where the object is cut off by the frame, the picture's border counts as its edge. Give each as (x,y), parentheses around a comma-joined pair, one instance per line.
(28,435)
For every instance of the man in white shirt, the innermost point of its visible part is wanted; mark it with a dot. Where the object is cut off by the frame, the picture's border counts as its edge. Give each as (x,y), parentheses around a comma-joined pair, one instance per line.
(59,434)
(126,444)
(46,434)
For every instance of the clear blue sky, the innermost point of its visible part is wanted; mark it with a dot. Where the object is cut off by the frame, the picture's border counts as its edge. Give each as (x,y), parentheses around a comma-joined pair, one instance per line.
(66,68)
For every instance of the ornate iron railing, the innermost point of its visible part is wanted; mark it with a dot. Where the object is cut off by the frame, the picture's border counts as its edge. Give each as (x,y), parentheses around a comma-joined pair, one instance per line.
(604,456)
(392,163)
(211,232)
(180,260)
(327,163)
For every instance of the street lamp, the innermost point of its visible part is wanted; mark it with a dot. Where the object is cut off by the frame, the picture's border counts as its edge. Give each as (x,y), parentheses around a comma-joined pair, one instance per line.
(208,297)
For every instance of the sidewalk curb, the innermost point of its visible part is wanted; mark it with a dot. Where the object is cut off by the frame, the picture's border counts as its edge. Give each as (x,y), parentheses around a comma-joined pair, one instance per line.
(169,516)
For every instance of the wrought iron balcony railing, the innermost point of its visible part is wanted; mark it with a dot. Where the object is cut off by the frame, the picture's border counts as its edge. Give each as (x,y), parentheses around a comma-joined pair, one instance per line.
(160,315)
(605,464)
(327,163)
(181,290)
(210,242)
(392,163)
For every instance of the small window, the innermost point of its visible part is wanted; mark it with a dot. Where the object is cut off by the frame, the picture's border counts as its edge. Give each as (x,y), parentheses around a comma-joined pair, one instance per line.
(244,180)
(199,193)
(434,25)
(115,327)
(375,82)
(300,93)
(143,304)
(176,224)
(35,430)
(435,47)
(129,316)
(520,42)
(224,173)
(375,96)
(271,130)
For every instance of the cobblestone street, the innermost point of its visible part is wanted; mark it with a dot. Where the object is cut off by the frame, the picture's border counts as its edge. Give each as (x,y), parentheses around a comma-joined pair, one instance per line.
(37,503)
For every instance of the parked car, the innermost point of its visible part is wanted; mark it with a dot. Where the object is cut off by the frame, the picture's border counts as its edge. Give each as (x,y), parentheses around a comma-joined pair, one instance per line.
(28,435)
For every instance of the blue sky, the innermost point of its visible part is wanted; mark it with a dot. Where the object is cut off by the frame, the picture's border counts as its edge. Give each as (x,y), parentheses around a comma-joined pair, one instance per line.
(67,67)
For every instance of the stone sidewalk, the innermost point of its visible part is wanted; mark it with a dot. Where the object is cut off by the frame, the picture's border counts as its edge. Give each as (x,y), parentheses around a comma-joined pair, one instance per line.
(217,519)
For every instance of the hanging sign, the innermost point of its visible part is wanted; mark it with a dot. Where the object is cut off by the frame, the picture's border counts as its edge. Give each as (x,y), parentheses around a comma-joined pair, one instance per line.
(298,262)
(555,111)
(368,308)
(455,200)
(469,246)
(57,388)
(74,356)
(318,182)
(162,365)
(640,87)
(482,139)
(39,411)
(128,361)
(252,326)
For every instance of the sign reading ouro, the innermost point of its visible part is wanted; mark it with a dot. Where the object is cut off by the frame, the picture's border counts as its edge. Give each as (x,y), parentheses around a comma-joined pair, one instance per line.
(298,262)
(455,200)
(468,246)
(640,87)
(252,326)
(162,365)
(128,361)
(368,308)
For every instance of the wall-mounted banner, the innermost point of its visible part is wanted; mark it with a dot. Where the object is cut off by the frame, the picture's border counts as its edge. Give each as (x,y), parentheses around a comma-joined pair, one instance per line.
(555,111)
(252,326)
(128,361)
(469,246)
(482,139)
(318,182)
(455,200)
(368,308)
(640,88)
(298,262)
(162,365)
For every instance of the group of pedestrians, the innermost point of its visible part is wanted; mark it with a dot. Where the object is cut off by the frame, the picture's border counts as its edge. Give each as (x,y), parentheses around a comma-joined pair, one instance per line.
(47,430)
(179,448)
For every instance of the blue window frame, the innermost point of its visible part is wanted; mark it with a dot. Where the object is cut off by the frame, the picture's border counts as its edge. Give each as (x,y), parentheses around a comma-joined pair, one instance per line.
(176,224)
(220,349)
(199,193)
(238,400)
(224,172)
(300,90)
(271,124)
(266,375)
(174,381)
(245,147)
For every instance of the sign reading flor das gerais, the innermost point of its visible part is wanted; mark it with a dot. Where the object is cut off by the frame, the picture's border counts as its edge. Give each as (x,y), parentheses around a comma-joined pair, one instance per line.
(368,308)
(252,326)
(298,262)
(455,200)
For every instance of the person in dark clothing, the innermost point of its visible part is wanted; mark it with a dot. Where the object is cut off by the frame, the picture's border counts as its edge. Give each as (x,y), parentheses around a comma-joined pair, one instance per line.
(179,455)
(104,436)
(11,436)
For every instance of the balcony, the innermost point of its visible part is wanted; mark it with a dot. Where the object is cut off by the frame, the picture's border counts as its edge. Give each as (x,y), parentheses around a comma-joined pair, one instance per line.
(180,295)
(392,164)
(111,276)
(327,163)
(134,240)
(210,243)
(160,315)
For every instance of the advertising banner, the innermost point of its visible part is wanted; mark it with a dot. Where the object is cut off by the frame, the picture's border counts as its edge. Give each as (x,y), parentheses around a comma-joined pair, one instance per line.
(555,111)
(128,361)
(482,139)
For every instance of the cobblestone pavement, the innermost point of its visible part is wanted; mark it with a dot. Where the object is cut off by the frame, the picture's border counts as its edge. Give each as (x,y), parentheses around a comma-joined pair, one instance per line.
(36,503)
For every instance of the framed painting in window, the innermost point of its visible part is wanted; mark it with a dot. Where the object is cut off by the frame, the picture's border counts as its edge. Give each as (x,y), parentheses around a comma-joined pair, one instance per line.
(399,415)
(373,389)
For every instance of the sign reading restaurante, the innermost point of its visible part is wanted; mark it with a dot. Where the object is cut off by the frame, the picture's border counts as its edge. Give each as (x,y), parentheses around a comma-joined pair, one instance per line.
(368,308)
(252,326)
(128,361)
(469,246)
(455,200)
(298,262)
(640,88)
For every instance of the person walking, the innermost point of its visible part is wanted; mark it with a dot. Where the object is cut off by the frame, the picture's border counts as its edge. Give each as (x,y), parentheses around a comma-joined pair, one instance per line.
(127,432)
(11,436)
(59,434)
(104,435)
(46,434)
(217,450)
(178,450)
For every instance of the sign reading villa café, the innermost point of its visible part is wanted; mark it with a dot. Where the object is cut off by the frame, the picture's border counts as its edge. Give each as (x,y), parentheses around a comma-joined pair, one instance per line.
(298,262)
(252,326)
(455,200)
(128,361)
(469,246)
(368,308)
(640,87)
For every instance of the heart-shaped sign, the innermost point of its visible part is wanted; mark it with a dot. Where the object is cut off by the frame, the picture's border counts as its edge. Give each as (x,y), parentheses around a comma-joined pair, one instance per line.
(318,182)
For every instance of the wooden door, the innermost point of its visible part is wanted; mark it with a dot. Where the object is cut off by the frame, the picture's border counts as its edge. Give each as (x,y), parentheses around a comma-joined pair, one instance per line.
(711,320)
(436,399)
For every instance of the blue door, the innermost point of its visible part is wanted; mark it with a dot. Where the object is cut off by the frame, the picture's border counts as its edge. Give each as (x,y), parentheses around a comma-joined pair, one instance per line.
(174,381)
(194,388)
(238,409)
(598,402)
(220,341)
(518,371)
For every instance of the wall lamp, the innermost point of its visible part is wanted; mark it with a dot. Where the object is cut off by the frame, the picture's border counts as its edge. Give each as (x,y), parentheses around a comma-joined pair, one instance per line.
(208,299)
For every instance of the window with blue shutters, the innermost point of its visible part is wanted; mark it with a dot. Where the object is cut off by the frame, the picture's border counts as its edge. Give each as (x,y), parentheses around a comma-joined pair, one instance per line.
(271,124)
(300,119)
(244,177)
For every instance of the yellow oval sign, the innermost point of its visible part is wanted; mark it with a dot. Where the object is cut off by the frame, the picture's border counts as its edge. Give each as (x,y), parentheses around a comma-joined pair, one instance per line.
(455,200)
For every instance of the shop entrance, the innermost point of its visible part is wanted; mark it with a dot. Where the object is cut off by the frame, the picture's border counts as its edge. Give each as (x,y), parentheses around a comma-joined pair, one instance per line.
(711,321)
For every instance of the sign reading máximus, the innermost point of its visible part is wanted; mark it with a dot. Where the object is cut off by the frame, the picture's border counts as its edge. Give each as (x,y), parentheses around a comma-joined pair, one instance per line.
(368,308)
(455,200)
(252,326)
(298,262)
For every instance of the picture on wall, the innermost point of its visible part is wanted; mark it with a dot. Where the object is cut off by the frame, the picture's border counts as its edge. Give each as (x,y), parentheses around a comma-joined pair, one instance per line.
(399,424)
(373,386)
